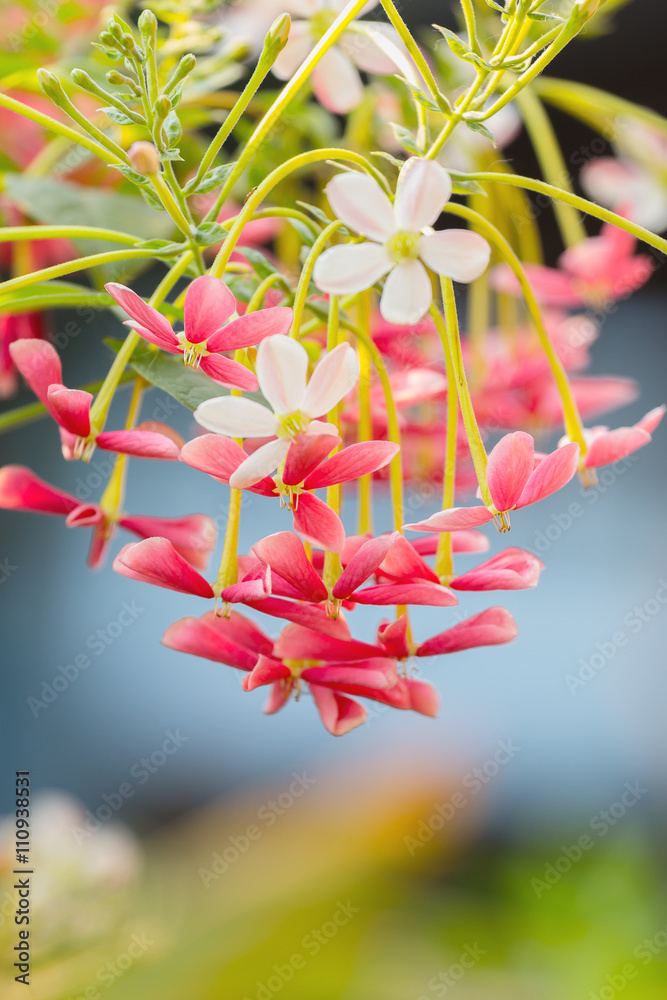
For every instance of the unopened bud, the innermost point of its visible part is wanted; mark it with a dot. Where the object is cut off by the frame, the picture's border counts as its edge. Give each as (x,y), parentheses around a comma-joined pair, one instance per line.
(147,25)
(162,107)
(143,157)
(277,37)
(584,9)
(184,68)
(52,87)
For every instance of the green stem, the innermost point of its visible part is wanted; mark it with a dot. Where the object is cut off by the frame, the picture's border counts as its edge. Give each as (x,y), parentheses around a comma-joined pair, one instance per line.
(552,163)
(417,55)
(228,572)
(14,234)
(444,560)
(257,299)
(332,563)
(365,522)
(71,266)
(307,273)
(28,414)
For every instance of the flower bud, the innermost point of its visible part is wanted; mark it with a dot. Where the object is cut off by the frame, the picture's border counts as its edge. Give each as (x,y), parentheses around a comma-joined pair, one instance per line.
(148,24)
(585,9)
(143,157)
(277,38)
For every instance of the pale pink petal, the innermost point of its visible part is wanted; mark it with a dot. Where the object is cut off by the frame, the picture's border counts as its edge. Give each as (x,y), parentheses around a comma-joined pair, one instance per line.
(286,556)
(338,713)
(336,82)
(424,593)
(318,524)
(71,408)
(143,314)
(456,253)
(39,364)
(156,561)
(393,637)
(193,536)
(261,463)
(554,472)
(298,48)
(551,286)
(359,201)
(652,419)
(306,453)
(424,188)
(236,417)
(357,460)
(423,698)
(281,692)
(510,466)
(363,564)
(200,637)
(208,306)
(311,616)
(489,628)
(246,331)
(407,294)
(229,373)
(21,489)
(334,376)
(142,444)
(351,268)
(282,369)
(363,50)
(453,519)
(213,454)
(511,569)
(612,446)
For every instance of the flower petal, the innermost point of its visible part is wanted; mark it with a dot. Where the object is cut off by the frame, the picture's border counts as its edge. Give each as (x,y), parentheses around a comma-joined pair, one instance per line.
(376,674)
(365,53)
(156,561)
(318,524)
(334,376)
(336,82)
(407,294)
(141,444)
(246,331)
(285,554)
(509,469)
(455,253)
(266,671)
(282,369)
(193,536)
(260,464)
(339,714)
(306,453)
(39,365)
(208,638)
(363,564)
(454,519)
(298,643)
(236,417)
(144,315)
(489,628)
(351,268)
(553,472)
(357,460)
(21,489)
(229,373)
(612,446)
(511,569)
(208,306)
(404,565)
(219,457)
(358,200)
(71,408)
(424,188)
(422,592)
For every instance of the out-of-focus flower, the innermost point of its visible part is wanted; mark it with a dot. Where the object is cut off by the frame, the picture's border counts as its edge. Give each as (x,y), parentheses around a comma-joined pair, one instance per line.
(606,447)
(403,244)
(209,328)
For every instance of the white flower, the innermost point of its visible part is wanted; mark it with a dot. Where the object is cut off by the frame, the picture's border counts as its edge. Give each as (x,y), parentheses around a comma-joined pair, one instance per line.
(282,370)
(627,188)
(336,81)
(403,241)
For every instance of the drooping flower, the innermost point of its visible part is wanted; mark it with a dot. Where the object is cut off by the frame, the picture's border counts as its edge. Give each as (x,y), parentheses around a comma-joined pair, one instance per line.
(514,482)
(209,328)
(335,79)
(599,270)
(296,403)
(39,365)
(606,447)
(493,627)
(335,668)
(403,244)
(309,466)
(193,536)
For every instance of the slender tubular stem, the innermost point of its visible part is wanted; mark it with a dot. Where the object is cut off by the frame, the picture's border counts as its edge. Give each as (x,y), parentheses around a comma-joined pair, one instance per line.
(444,560)
(16,234)
(306,274)
(71,266)
(365,520)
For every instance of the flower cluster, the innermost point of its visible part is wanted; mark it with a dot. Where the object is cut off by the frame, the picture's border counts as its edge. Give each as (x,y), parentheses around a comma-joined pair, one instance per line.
(317,319)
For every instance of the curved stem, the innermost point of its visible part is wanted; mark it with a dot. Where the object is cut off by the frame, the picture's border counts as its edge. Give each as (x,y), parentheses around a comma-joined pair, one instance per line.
(71,266)
(307,273)
(14,234)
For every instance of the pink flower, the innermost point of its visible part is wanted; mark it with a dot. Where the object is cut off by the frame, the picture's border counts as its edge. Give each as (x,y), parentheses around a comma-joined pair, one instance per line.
(336,81)
(514,481)
(492,627)
(308,466)
(39,364)
(333,667)
(403,244)
(511,569)
(595,272)
(282,369)
(606,447)
(192,536)
(209,329)
(629,189)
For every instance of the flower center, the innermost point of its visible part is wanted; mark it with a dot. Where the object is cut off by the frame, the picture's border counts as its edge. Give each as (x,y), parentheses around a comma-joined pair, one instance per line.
(297,667)
(193,353)
(404,246)
(292,424)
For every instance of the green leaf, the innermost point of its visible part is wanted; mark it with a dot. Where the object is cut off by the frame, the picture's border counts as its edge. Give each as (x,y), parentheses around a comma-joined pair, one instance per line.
(54,295)
(262,266)
(167,372)
(172,129)
(406,139)
(211,180)
(395,162)
(536,16)
(131,174)
(152,200)
(209,234)
(116,116)
(482,129)
(170,154)
(496,6)
(419,95)
(161,247)
(467,187)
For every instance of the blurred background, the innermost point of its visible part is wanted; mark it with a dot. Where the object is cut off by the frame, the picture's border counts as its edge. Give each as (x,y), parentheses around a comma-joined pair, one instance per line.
(512,848)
